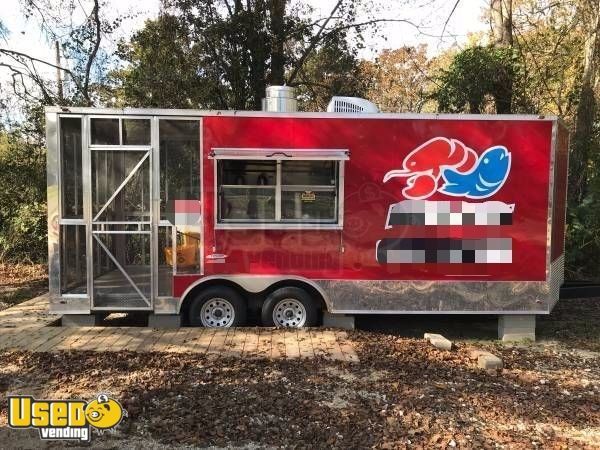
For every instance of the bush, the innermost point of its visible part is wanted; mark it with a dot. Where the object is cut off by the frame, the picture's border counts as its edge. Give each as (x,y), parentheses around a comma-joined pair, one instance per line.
(22,197)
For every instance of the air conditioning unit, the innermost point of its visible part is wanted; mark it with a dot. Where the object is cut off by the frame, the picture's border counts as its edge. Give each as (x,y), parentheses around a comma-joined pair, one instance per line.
(351,105)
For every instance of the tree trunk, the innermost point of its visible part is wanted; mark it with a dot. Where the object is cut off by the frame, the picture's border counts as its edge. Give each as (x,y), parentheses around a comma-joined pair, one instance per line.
(502,32)
(586,111)
(277,8)
(59,83)
(259,54)
(501,21)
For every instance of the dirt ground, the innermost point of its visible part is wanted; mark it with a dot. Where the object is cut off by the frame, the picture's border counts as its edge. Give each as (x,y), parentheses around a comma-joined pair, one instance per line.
(20,282)
(403,393)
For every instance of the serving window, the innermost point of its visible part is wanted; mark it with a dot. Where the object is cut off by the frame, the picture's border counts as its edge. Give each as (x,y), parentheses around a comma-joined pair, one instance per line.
(278,192)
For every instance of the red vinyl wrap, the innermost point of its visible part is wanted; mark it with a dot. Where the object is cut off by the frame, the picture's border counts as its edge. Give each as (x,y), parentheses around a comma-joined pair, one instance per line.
(377,146)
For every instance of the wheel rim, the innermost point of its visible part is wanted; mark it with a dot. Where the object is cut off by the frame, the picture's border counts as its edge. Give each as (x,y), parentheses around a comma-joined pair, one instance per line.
(289,313)
(217,313)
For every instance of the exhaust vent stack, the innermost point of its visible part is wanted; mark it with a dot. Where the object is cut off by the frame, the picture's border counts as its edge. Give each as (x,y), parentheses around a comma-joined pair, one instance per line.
(351,105)
(280,99)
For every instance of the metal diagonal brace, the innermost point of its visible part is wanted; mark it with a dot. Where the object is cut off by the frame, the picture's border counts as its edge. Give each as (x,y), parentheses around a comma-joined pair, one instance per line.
(121,186)
(114,260)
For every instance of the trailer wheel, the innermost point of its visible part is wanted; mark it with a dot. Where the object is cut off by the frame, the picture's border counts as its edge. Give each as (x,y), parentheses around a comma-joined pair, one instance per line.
(217,307)
(289,307)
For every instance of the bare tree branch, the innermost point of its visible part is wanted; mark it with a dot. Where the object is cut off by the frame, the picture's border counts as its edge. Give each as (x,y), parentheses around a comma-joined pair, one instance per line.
(313,43)
(92,56)
(449,17)
(13,54)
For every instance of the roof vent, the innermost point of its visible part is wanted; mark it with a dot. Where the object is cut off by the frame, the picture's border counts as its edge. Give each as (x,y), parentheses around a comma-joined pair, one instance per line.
(351,105)
(280,99)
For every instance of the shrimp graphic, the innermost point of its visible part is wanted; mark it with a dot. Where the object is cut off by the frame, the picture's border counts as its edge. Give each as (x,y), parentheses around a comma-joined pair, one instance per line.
(424,166)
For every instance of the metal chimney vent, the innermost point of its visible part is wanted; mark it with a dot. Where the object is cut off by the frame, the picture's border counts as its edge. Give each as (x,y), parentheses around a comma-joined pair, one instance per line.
(351,105)
(280,99)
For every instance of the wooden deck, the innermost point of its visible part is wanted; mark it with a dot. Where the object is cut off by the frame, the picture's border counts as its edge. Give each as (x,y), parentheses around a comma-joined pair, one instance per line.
(26,327)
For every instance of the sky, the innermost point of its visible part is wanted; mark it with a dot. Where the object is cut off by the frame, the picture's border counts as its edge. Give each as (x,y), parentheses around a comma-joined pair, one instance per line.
(430,15)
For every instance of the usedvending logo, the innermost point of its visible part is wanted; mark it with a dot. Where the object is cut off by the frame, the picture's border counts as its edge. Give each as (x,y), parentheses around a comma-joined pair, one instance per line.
(65,419)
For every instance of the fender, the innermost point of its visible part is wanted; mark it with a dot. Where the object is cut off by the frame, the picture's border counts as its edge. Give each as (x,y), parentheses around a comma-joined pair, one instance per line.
(254,284)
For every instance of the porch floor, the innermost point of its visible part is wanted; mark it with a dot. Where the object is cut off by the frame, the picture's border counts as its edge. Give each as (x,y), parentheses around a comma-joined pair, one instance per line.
(26,327)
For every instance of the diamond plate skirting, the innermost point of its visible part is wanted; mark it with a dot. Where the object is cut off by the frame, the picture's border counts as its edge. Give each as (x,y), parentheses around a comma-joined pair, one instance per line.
(436,296)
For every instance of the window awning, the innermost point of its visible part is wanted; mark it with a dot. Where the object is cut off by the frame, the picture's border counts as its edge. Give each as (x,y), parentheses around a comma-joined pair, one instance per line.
(280,153)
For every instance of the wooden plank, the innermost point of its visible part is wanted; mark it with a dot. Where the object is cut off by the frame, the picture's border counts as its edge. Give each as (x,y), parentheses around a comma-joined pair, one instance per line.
(42,335)
(148,343)
(229,342)
(10,339)
(292,349)
(178,341)
(331,345)
(218,341)
(138,339)
(127,334)
(90,336)
(251,342)
(304,343)
(31,314)
(347,347)
(187,346)
(318,346)
(278,343)
(238,341)
(80,334)
(163,343)
(202,342)
(17,339)
(264,343)
(107,343)
(56,340)
(95,339)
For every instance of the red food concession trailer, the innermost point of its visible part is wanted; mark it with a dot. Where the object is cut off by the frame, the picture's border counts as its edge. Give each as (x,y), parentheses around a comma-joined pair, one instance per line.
(210,215)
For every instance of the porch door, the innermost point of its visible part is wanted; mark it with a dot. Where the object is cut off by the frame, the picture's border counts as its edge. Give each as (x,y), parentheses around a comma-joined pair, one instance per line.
(121,227)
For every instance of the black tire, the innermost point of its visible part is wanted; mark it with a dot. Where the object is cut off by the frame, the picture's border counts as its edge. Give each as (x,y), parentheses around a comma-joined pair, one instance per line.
(292,293)
(215,293)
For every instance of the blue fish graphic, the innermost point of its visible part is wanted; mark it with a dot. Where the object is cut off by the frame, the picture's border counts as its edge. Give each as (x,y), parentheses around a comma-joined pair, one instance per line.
(483,180)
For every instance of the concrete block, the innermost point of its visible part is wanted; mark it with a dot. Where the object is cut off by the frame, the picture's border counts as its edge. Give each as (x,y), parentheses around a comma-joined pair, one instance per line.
(438,341)
(517,327)
(488,361)
(81,320)
(343,321)
(475,354)
(164,321)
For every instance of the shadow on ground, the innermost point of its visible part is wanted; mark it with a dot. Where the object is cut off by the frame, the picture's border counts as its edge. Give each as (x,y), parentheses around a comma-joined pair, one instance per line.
(573,322)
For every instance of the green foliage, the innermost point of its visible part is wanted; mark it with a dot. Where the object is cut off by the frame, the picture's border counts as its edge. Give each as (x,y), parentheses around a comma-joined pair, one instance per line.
(207,55)
(333,69)
(583,233)
(23,193)
(474,74)
(221,55)
(164,69)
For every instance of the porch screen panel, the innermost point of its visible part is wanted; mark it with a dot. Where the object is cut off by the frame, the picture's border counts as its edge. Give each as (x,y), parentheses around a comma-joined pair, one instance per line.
(73,273)
(72,236)
(179,155)
(120,186)
(179,161)
(71,171)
